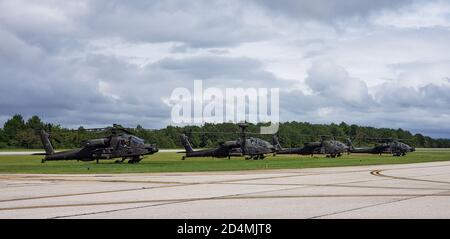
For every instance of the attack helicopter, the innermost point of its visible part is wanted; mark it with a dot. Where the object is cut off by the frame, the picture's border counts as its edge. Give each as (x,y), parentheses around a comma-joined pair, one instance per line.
(398,148)
(251,147)
(377,149)
(394,146)
(120,143)
(224,150)
(330,147)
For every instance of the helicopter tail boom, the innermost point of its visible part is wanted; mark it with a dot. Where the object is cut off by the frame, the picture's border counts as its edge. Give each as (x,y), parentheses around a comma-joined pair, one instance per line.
(276,143)
(186,144)
(45,139)
(349,143)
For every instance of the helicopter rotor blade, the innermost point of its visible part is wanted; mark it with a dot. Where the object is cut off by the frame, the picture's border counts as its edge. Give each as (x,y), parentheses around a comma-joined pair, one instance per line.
(120,127)
(109,128)
(209,132)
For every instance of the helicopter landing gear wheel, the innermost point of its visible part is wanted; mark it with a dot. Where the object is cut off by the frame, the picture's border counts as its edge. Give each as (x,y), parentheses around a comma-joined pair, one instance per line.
(134,159)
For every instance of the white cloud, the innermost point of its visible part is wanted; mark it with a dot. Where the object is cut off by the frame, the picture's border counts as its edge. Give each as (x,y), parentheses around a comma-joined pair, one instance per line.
(382,63)
(332,81)
(43,17)
(421,14)
(12,48)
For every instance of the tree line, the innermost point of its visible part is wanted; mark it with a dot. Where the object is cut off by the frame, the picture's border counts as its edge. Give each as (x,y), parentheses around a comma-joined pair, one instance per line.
(20,133)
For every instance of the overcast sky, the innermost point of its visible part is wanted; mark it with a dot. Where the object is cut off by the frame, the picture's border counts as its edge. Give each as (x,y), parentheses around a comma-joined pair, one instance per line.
(376,63)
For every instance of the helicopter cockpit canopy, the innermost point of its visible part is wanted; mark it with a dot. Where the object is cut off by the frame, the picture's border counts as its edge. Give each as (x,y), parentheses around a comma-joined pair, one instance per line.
(259,142)
(136,140)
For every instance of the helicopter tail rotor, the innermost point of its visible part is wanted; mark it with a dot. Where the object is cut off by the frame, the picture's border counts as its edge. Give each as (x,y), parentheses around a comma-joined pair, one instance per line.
(46,142)
(186,144)
(349,145)
(276,142)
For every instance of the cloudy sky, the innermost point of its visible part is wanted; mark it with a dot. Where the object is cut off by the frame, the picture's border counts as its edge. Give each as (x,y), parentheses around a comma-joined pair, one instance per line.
(376,63)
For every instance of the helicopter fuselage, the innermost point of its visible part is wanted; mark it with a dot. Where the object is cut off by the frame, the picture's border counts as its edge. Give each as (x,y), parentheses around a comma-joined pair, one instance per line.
(118,145)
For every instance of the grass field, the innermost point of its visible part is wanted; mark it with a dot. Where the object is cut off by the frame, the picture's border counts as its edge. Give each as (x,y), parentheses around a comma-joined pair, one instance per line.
(21,150)
(170,162)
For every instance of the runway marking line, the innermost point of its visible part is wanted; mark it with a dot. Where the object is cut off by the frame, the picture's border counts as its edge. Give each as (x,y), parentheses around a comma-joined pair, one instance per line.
(379,174)
(374,172)
(176,184)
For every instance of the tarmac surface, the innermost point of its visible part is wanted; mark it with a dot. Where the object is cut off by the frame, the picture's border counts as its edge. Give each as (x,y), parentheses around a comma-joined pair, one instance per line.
(385,191)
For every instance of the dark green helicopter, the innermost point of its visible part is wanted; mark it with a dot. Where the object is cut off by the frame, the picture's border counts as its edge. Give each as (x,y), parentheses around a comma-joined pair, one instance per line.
(330,147)
(388,146)
(120,143)
(377,149)
(398,148)
(251,147)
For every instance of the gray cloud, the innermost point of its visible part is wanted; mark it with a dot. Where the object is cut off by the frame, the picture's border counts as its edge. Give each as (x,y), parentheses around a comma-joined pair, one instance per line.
(99,62)
(329,10)
(339,97)
(199,24)
(331,81)
(97,89)
(221,71)
(428,96)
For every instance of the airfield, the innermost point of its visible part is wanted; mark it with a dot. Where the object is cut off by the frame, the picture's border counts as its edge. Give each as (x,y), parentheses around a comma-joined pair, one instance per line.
(399,189)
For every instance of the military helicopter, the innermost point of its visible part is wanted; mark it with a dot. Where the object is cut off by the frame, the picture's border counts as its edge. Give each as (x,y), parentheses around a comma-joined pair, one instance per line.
(395,146)
(224,150)
(377,149)
(251,147)
(398,148)
(120,143)
(330,147)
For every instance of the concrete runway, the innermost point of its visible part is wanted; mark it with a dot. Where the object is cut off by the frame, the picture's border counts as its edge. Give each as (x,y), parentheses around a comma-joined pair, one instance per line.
(387,191)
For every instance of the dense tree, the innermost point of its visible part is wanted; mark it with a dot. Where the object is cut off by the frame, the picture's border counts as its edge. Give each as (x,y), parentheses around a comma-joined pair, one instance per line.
(16,133)
(27,138)
(3,139)
(13,125)
(11,128)
(34,123)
